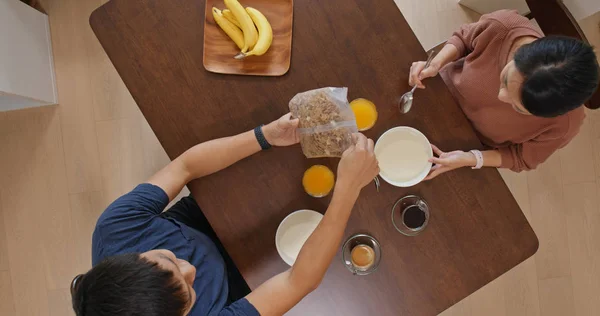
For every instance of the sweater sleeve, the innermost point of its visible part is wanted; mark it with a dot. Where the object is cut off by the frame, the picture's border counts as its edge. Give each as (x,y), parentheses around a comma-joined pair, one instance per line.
(528,155)
(490,27)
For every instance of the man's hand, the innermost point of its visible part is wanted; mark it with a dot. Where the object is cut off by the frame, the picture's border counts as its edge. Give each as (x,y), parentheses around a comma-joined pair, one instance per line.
(282,132)
(358,165)
(448,161)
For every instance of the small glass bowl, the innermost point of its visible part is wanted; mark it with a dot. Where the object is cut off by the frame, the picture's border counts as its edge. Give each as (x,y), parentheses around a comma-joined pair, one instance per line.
(398,213)
(360,239)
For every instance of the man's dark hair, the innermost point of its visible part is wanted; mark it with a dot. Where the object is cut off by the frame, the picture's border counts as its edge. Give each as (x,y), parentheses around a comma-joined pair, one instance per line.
(561,73)
(128,285)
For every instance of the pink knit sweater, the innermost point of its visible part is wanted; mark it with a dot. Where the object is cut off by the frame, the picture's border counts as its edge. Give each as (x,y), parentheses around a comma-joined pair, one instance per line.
(524,141)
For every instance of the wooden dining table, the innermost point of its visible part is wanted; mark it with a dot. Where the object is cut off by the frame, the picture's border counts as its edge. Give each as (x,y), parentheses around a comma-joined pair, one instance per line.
(476,231)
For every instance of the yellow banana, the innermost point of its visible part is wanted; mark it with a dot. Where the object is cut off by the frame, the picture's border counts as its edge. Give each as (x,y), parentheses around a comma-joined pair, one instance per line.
(265,34)
(229,16)
(231,30)
(247,26)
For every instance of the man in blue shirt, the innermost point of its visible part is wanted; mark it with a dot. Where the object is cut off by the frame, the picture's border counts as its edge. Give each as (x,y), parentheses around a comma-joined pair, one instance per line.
(149,262)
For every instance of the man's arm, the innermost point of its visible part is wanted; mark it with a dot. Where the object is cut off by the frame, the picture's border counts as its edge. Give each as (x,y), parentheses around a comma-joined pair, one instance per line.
(279,294)
(211,156)
(204,159)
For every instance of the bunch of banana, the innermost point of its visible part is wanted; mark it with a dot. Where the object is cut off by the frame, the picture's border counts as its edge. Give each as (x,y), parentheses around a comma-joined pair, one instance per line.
(241,26)
(230,29)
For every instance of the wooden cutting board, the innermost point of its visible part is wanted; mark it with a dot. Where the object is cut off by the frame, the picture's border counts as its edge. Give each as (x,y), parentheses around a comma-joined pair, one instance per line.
(219,49)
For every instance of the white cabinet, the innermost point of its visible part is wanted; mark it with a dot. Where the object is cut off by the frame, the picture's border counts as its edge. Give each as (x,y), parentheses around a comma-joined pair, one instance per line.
(26,66)
(580,9)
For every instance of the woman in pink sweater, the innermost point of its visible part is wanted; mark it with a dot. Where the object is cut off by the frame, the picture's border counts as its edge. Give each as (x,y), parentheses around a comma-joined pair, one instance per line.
(522,92)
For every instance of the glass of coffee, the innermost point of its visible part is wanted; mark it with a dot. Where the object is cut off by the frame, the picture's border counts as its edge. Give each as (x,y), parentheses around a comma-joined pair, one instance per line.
(410,215)
(361,254)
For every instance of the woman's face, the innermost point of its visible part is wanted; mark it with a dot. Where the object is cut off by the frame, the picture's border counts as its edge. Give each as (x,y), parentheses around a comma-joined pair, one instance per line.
(510,87)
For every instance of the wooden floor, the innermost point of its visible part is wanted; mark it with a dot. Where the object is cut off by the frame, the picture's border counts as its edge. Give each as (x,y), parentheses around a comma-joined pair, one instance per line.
(60,166)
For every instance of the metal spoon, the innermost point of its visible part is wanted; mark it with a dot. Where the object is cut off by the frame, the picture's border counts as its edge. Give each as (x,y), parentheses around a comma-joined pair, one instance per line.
(405,102)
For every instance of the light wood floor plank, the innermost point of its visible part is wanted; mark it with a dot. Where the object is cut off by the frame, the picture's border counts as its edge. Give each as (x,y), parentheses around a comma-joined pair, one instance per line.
(129,154)
(42,215)
(434,21)
(120,143)
(594,121)
(110,97)
(520,286)
(73,82)
(548,219)
(7,305)
(519,187)
(4,266)
(462,308)
(60,303)
(488,300)
(577,158)
(31,185)
(556,297)
(85,209)
(583,225)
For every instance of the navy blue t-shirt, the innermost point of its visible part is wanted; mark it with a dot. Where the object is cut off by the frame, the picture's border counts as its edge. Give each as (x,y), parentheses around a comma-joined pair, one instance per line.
(132,224)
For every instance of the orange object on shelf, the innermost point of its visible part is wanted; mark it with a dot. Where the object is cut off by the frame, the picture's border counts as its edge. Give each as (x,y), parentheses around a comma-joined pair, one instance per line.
(318,181)
(365,113)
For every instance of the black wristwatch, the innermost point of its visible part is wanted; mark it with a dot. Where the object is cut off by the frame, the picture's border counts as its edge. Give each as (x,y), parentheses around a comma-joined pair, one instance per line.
(260,137)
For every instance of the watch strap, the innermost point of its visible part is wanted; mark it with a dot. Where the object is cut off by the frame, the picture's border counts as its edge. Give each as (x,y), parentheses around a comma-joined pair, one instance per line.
(260,137)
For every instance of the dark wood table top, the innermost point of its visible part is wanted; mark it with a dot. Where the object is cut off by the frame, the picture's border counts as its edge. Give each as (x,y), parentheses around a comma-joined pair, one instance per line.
(476,232)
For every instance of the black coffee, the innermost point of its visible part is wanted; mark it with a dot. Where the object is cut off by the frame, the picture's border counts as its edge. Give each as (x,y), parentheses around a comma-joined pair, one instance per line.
(413,217)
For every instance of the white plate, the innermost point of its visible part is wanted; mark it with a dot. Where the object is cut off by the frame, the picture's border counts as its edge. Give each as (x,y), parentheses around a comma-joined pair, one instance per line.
(293,232)
(403,153)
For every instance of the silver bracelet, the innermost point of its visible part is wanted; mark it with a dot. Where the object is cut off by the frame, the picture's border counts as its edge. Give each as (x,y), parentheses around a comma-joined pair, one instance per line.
(479,157)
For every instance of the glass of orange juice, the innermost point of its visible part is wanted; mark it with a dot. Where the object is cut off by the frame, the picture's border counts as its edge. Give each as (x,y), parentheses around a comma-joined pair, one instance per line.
(365,113)
(318,181)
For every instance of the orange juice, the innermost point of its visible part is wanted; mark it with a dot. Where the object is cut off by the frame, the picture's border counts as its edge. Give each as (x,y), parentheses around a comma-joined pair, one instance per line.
(318,181)
(365,113)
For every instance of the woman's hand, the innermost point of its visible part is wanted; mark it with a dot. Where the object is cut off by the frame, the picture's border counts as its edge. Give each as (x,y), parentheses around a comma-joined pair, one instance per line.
(282,132)
(449,161)
(418,72)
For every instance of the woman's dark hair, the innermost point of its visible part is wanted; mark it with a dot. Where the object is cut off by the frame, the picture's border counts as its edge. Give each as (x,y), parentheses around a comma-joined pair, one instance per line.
(561,73)
(128,285)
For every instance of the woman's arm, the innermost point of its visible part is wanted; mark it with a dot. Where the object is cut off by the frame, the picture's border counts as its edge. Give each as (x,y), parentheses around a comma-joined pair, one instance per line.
(448,161)
(418,72)
(211,156)
(491,158)
(448,54)
(516,157)
(463,41)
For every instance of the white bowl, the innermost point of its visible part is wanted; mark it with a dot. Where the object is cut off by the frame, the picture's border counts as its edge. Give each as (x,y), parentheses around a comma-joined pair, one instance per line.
(293,232)
(403,153)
